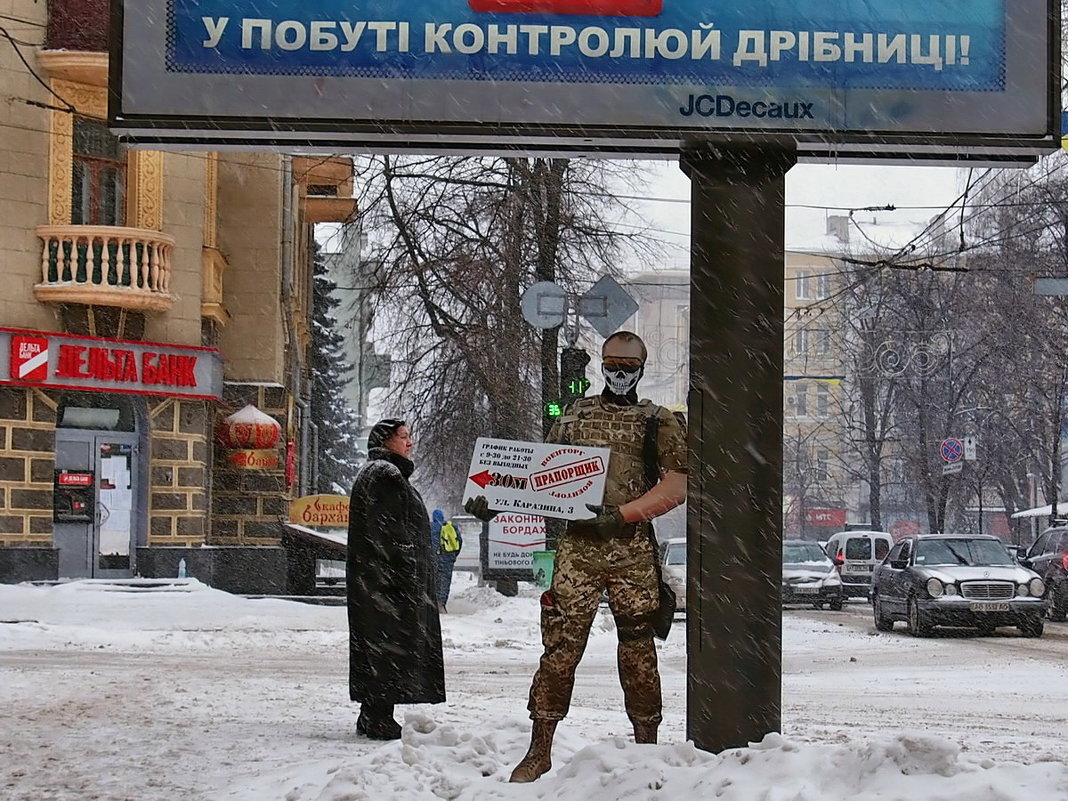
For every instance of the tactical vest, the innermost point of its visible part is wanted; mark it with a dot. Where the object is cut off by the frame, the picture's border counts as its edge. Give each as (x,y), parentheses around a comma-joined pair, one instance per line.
(594,423)
(450,538)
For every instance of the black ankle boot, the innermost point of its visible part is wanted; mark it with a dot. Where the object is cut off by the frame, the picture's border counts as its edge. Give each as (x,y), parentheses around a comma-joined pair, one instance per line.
(376,722)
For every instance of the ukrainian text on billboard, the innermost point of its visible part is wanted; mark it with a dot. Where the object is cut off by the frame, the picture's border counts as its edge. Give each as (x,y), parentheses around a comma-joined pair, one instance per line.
(906,44)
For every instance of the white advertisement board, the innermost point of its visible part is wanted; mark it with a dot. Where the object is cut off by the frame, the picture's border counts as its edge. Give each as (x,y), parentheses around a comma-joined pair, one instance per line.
(513,539)
(537,478)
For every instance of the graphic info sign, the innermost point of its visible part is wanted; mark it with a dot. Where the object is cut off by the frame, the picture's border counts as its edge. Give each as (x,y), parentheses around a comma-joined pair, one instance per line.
(537,478)
(611,69)
(513,539)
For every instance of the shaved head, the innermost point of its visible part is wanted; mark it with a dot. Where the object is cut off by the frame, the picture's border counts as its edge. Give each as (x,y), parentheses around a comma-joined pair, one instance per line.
(624,345)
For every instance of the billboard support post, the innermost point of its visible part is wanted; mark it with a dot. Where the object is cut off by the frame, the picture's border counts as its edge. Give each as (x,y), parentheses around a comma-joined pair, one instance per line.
(734,618)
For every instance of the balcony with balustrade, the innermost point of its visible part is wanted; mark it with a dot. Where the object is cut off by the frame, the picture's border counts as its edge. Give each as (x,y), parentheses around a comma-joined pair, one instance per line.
(128,268)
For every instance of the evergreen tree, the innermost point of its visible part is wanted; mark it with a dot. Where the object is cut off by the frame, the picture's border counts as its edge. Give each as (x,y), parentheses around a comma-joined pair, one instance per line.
(338,452)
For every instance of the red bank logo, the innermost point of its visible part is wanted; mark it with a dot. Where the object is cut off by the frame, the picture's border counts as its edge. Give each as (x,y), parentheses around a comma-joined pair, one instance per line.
(29,358)
(600,8)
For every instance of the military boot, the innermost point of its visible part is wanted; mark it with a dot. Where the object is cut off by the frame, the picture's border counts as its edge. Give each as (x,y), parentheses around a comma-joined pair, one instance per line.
(539,756)
(645,733)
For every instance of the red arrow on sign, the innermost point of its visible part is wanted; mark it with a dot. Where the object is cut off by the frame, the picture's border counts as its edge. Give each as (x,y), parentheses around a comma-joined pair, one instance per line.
(483,479)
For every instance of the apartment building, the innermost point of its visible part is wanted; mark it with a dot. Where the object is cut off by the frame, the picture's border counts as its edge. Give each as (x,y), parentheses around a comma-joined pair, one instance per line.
(148,297)
(663,323)
(817,495)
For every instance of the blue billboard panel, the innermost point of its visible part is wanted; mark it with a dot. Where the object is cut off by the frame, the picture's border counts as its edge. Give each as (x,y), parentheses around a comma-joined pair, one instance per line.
(783,43)
(665,67)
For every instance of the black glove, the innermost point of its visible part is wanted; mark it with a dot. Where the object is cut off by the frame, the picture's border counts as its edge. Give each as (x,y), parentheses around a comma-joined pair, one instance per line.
(607,523)
(479,507)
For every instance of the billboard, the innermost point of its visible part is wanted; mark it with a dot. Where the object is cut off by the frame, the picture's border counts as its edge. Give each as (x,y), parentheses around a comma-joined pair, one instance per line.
(633,76)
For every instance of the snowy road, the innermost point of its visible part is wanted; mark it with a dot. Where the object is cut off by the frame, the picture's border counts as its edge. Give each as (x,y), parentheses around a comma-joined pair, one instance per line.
(110,697)
(1003,696)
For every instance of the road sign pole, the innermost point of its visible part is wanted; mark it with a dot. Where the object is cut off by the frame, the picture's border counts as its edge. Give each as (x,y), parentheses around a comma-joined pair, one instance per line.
(734,617)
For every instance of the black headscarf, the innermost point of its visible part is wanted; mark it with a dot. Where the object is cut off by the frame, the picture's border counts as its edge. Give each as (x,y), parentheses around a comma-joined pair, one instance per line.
(383,431)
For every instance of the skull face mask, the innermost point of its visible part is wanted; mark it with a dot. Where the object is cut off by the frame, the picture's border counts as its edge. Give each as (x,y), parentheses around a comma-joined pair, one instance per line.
(621,379)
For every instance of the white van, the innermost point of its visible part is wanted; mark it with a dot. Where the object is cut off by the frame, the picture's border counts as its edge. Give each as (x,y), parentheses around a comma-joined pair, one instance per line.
(855,554)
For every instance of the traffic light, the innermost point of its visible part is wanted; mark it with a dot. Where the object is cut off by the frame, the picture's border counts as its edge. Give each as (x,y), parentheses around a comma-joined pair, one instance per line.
(573,381)
(553,409)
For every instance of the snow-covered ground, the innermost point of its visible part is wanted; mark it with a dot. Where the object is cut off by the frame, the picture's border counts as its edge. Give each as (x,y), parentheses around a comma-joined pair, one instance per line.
(197,694)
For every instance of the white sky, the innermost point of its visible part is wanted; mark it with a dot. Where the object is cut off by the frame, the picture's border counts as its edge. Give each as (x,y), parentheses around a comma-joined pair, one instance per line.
(201,696)
(918,193)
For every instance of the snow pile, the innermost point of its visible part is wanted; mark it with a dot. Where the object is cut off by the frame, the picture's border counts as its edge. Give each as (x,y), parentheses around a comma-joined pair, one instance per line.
(434,762)
(183,613)
(191,694)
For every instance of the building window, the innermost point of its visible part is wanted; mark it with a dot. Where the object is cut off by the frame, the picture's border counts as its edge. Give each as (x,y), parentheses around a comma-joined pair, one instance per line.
(823,341)
(823,286)
(823,470)
(823,400)
(800,400)
(98,194)
(801,342)
(801,280)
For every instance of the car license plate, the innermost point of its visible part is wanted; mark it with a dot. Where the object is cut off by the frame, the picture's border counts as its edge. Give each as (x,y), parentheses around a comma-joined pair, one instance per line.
(857,567)
(806,590)
(989,606)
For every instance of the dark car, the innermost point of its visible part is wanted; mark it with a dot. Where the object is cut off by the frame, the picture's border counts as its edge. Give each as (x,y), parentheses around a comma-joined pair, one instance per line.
(1048,556)
(809,576)
(945,580)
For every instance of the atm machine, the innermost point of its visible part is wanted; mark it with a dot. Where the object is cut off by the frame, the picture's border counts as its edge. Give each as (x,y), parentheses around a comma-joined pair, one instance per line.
(94,494)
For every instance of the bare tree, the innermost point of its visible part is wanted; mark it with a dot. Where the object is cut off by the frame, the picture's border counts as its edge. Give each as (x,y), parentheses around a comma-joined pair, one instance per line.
(458,241)
(810,475)
(1020,228)
(866,404)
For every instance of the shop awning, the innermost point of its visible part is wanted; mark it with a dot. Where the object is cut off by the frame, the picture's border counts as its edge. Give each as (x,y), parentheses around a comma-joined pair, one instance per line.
(327,539)
(1045,511)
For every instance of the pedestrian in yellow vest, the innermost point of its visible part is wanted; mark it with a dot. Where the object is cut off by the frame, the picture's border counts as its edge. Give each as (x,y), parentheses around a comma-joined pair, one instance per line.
(448,549)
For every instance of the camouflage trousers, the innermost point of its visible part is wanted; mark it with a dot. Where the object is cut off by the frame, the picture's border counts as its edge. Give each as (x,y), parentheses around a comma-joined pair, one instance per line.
(584,569)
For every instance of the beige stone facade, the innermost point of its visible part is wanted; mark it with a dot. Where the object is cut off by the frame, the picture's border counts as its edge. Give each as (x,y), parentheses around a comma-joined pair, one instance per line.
(27,457)
(817,495)
(201,250)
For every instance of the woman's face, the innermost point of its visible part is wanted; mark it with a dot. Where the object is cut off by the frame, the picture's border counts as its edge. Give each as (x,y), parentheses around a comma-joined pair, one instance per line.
(401,442)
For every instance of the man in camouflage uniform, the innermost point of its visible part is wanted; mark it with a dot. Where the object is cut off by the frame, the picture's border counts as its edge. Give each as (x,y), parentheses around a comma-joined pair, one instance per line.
(611,551)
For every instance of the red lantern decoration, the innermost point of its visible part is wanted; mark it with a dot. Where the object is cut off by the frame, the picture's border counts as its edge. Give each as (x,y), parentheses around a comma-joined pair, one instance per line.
(248,429)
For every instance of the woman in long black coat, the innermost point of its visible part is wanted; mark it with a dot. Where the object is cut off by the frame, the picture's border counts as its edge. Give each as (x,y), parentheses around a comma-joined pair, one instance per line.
(394,632)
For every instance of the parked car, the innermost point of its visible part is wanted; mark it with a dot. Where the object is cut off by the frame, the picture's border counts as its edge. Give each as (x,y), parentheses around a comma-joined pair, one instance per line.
(855,554)
(673,566)
(1048,556)
(809,576)
(946,580)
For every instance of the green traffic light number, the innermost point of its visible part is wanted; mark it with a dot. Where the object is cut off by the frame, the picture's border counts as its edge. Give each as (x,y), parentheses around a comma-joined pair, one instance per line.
(578,386)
